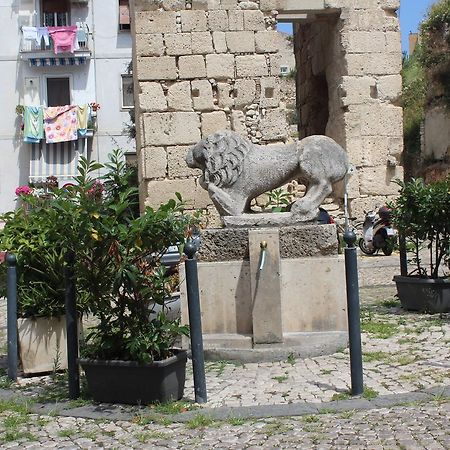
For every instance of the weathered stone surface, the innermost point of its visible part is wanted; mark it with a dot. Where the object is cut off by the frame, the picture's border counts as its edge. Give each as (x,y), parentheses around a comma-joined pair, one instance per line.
(202,95)
(235,171)
(178,43)
(364,41)
(295,242)
(269,5)
(251,66)
(151,97)
(173,5)
(275,61)
(202,43)
(383,120)
(156,68)
(175,128)
(235,20)
(254,21)
(193,21)
(154,162)
(149,45)
(267,41)
(228,4)
(225,95)
(220,43)
(376,64)
(240,41)
(218,20)
(213,121)
(379,181)
(274,125)
(248,5)
(238,123)
(245,92)
(389,88)
(176,164)
(155,22)
(220,66)
(270,92)
(179,96)
(192,67)
(163,190)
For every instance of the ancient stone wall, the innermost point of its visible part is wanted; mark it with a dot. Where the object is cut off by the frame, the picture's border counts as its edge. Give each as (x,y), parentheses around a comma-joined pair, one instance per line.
(201,67)
(206,65)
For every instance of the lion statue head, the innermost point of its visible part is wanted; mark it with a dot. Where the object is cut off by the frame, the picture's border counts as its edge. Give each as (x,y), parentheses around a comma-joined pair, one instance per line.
(220,156)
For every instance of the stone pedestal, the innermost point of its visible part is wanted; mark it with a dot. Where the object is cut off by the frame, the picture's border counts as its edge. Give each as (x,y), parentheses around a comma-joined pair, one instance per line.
(310,299)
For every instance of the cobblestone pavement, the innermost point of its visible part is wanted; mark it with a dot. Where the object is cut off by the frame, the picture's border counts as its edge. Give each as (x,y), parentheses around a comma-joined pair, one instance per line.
(403,353)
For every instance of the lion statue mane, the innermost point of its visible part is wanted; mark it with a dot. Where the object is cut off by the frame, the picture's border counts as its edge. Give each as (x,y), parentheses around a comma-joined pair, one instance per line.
(235,171)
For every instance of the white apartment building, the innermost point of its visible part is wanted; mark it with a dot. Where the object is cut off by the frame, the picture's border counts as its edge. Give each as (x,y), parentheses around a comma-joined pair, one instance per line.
(32,74)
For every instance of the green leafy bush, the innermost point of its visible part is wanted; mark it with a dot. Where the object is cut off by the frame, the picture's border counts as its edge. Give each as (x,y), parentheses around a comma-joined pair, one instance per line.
(422,214)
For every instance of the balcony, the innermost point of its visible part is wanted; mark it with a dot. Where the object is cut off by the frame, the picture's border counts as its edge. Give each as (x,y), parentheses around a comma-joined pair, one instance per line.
(41,54)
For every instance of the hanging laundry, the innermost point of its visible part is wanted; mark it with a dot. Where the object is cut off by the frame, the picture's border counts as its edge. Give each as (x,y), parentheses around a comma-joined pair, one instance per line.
(29,34)
(42,33)
(63,38)
(82,116)
(61,123)
(33,118)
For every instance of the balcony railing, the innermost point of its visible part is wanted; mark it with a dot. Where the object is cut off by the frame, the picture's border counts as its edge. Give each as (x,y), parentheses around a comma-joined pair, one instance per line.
(31,49)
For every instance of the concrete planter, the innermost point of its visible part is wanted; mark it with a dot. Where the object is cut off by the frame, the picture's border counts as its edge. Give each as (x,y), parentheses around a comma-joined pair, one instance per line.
(42,344)
(133,383)
(424,294)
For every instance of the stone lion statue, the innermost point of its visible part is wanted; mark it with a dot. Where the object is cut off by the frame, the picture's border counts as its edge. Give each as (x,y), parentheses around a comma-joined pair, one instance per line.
(235,171)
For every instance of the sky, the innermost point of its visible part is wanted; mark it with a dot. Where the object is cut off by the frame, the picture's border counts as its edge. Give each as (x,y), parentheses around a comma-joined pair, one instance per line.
(411,14)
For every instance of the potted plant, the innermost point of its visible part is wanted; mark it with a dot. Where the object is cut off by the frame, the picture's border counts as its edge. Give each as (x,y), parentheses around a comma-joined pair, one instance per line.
(422,215)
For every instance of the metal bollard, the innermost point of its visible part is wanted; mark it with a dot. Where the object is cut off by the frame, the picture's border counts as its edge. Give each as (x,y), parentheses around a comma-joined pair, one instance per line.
(71,326)
(195,321)
(11,262)
(403,255)
(353,313)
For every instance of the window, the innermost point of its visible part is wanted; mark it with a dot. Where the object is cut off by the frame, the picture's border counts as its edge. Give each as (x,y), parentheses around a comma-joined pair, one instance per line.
(58,91)
(284,70)
(124,15)
(55,13)
(127,91)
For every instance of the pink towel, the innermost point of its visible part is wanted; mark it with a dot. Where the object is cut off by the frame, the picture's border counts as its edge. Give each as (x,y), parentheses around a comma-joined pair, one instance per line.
(61,123)
(63,38)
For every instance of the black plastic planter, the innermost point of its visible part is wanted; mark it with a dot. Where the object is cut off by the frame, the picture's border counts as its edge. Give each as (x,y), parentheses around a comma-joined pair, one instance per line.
(424,294)
(133,383)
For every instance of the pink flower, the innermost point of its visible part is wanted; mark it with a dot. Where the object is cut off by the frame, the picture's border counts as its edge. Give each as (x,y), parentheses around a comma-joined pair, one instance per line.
(23,190)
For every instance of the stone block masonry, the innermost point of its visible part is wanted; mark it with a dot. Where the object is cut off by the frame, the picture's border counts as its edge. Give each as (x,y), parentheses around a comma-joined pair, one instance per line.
(202,66)
(206,65)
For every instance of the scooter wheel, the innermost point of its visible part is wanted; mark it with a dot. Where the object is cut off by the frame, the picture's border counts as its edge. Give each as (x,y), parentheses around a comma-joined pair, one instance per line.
(389,247)
(364,249)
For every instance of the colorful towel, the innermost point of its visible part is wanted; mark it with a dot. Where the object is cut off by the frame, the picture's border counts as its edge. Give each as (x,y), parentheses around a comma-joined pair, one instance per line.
(61,123)
(82,116)
(33,118)
(63,38)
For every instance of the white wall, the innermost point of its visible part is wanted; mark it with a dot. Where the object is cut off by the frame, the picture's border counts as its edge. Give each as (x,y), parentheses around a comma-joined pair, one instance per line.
(99,80)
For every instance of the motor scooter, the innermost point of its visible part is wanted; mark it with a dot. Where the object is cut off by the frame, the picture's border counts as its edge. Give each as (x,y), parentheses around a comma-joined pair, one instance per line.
(378,233)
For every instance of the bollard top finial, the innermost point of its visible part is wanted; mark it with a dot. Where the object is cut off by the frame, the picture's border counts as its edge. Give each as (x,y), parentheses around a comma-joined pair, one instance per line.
(350,238)
(190,249)
(11,259)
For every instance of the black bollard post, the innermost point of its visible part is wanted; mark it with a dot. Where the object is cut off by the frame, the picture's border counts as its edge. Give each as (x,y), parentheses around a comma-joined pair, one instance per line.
(195,322)
(11,295)
(354,326)
(71,326)
(403,255)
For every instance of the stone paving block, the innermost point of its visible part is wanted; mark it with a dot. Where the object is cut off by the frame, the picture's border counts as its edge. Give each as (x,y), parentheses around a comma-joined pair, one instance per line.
(201,43)
(202,95)
(192,67)
(193,21)
(240,41)
(156,68)
(179,96)
(178,44)
(235,20)
(220,66)
(251,66)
